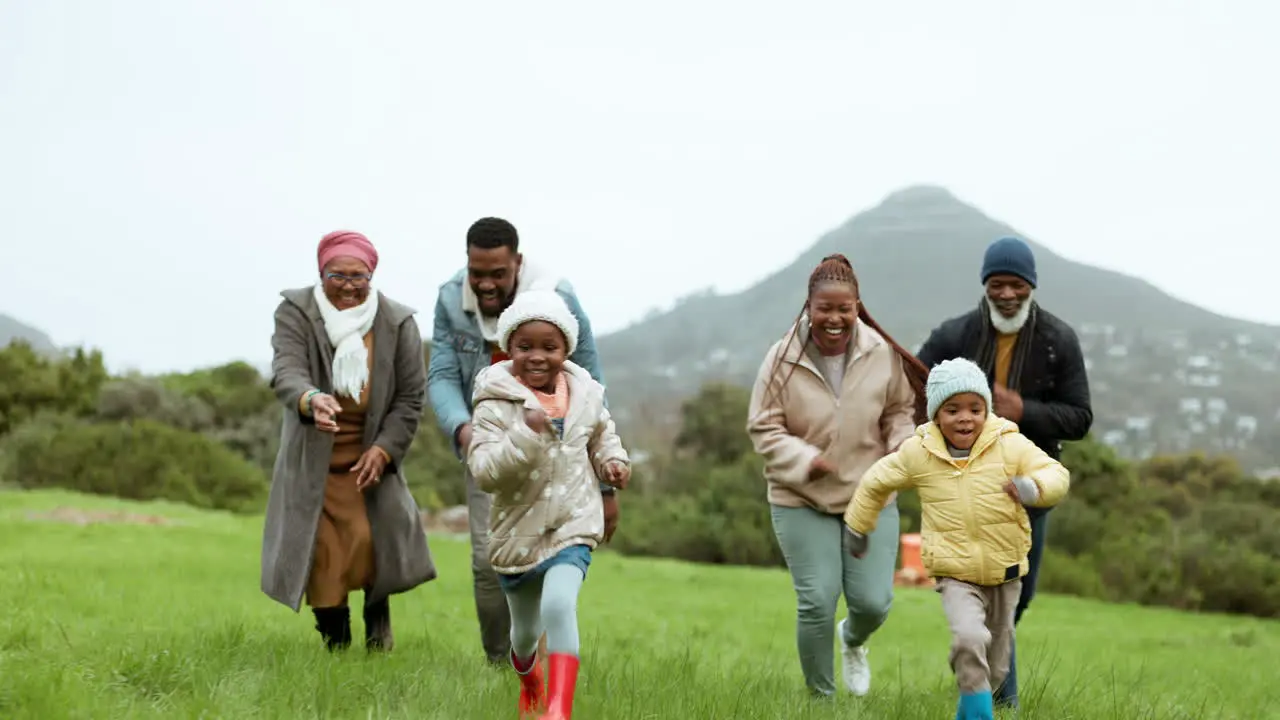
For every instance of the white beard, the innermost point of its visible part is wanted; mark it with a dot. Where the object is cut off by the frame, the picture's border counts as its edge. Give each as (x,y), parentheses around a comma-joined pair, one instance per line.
(1010,326)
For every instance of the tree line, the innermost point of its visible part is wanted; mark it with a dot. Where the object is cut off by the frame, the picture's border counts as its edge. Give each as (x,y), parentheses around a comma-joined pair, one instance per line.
(1191,532)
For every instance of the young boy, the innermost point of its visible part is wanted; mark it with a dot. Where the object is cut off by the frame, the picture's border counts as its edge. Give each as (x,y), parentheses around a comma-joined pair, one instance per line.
(974,471)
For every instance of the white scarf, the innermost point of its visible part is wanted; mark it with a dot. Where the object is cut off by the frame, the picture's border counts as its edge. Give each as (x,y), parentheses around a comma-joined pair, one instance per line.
(346,330)
(530,277)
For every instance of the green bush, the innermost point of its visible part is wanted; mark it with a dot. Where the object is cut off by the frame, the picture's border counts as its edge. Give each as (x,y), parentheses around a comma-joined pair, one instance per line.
(138,460)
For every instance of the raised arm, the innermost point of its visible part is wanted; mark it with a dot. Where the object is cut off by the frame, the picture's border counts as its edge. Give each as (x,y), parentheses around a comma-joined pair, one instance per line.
(787,458)
(444,379)
(405,414)
(605,445)
(503,450)
(1041,481)
(888,475)
(290,367)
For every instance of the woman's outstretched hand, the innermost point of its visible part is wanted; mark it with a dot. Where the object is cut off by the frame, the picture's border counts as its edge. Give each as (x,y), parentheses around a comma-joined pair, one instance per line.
(324,410)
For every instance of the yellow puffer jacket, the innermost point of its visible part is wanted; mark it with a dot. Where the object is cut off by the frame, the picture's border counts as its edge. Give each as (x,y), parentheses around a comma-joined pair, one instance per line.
(971,529)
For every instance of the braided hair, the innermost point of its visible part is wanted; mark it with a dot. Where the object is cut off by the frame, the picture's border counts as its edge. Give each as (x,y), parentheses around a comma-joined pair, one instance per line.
(837,268)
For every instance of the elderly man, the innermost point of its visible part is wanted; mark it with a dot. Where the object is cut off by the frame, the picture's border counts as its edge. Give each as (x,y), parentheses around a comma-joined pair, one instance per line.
(1036,369)
(463,342)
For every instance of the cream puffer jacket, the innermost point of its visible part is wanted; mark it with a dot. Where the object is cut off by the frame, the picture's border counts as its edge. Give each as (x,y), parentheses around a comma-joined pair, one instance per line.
(546,492)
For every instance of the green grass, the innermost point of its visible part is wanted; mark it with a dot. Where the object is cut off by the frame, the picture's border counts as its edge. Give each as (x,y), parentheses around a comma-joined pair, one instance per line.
(133,621)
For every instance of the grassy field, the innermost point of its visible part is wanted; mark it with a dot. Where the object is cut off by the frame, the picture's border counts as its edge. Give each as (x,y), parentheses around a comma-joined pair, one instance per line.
(166,621)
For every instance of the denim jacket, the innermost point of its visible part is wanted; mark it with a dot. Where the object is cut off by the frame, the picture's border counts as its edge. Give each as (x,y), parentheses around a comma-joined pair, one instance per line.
(459,352)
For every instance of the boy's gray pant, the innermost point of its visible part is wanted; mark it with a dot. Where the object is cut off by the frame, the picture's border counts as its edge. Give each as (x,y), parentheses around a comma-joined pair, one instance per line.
(981,622)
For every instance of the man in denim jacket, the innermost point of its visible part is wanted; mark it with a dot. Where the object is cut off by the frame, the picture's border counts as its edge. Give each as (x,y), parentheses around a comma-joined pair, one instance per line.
(462,343)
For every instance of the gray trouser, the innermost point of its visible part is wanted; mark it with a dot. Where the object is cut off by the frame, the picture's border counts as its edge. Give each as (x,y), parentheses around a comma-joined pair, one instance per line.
(822,571)
(981,622)
(491,603)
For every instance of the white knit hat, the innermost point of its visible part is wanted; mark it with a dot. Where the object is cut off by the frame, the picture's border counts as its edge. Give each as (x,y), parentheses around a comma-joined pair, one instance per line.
(952,377)
(543,305)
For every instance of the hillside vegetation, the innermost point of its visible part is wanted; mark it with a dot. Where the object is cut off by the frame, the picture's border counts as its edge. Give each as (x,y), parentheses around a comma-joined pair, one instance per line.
(154,612)
(1191,532)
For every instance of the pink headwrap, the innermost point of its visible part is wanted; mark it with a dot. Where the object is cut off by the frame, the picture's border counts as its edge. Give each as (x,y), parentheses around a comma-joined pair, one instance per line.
(347,243)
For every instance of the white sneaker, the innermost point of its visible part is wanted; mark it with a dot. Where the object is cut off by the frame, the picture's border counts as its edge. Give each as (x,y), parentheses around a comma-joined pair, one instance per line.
(856,669)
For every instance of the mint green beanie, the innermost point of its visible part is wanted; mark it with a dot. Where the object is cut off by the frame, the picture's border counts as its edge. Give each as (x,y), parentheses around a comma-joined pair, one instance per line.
(952,377)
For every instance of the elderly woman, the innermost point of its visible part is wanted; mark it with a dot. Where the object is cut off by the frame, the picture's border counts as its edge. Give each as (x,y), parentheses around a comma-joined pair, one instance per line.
(348,368)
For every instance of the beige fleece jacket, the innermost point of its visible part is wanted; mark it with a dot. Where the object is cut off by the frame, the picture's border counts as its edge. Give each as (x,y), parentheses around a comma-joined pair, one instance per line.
(853,426)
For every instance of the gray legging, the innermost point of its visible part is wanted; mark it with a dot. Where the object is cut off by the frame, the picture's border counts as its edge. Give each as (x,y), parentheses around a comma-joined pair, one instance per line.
(821,570)
(547,603)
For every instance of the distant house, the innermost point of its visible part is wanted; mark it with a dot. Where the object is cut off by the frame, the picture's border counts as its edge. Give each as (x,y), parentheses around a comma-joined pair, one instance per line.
(1204,380)
(1138,424)
(1247,425)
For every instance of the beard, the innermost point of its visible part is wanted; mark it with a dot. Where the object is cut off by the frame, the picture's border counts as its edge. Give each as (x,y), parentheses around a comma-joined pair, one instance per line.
(1011,325)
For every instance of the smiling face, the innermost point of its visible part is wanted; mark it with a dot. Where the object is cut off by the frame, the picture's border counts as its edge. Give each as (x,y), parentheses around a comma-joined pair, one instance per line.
(1007,294)
(346,282)
(833,314)
(538,351)
(492,273)
(961,418)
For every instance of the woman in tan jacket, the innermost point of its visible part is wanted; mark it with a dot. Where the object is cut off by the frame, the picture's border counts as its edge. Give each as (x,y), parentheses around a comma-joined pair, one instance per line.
(833,396)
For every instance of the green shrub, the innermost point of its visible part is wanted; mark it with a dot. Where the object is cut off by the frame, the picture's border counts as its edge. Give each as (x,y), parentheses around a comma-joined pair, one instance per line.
(138,460)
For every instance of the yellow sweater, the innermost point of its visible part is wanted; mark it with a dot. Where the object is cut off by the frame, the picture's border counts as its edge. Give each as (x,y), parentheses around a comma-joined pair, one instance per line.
(971,529)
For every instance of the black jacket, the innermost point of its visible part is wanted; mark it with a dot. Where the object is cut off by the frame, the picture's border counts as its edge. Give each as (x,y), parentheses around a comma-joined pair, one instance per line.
(1053,385)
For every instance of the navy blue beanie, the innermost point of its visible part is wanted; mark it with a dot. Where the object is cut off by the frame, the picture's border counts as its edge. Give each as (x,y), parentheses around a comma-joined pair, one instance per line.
(1009,256)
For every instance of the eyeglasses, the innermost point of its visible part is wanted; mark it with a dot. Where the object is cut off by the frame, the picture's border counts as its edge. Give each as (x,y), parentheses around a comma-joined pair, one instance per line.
(358,281)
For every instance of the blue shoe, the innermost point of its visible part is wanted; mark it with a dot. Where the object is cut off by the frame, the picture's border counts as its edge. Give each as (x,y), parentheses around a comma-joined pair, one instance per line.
(975,706)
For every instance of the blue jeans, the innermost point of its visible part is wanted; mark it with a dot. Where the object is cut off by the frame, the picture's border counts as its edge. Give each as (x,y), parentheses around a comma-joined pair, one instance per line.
(1008,692)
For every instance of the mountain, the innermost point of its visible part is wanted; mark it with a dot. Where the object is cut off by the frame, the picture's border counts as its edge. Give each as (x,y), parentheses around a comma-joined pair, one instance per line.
(11,329)
(918,255)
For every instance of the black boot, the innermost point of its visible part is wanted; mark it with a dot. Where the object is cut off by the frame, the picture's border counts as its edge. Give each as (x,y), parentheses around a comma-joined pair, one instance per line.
(334,624)
(377,626)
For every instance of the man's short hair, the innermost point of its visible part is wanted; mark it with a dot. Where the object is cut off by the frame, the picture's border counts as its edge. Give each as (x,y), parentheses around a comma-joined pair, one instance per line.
(491,232)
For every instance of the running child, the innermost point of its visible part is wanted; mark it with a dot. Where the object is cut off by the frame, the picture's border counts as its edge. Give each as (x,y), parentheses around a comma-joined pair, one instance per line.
(542,442)
(974,471)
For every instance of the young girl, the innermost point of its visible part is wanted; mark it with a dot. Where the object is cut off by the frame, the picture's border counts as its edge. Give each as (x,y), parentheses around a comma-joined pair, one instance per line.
(542,437)
(974,472)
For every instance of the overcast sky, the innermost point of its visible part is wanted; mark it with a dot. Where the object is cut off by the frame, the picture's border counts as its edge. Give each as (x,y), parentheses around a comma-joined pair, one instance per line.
(167,167)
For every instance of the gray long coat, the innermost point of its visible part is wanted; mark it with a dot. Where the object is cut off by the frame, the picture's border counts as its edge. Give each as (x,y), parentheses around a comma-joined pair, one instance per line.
(304,360)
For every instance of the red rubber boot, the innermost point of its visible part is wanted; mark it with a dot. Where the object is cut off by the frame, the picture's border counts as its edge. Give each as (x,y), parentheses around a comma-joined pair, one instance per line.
(563,669)
(533,693)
